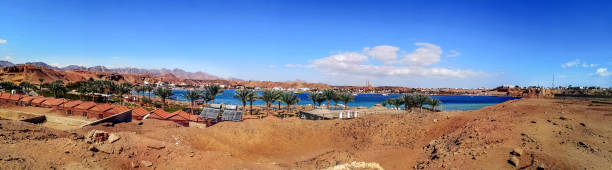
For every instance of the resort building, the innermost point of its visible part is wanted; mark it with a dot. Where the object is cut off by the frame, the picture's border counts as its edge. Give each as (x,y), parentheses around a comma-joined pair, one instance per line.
(38,102)
(159,114)
(181,117)
(139,113)
(4,97)
(27,101)
(115,110)
(83,108)
(68,107)
(98,111)
(14,99)
(54,103)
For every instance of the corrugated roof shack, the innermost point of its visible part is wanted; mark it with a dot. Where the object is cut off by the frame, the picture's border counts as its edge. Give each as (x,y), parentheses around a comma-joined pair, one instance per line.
(317,114)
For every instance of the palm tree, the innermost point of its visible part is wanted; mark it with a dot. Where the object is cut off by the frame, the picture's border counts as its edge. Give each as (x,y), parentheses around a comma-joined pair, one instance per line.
(243,96)
(82,91)
(409,101)
(192,96)
(420,100)
(254,96)
(268,96)
(329,95)
(57,87)
(25,86)
(163,93)
(336,98)
(149,89)
(140,89)
(315,97)
(122,89)
(207,97)
(279,95)
(289,99)
(214,90)
(433,103)
(40,83)
(346,98)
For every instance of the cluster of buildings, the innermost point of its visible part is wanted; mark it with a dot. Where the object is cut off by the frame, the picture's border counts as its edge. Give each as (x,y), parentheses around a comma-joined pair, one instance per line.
(92,110)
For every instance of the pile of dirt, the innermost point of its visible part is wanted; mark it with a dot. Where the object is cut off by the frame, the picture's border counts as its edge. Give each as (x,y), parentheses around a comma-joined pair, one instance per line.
(526,133)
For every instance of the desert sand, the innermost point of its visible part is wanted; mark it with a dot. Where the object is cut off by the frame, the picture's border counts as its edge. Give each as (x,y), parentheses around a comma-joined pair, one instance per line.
(519,134)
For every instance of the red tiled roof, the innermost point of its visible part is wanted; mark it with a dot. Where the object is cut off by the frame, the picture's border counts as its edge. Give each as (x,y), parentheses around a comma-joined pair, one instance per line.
(54,102)
(40,100)
(5,96)
(102,107)
(86,105)
(72,103)
(117,109)
(28,98)
(16,97)
(139,112)
(159,114)
(179,115)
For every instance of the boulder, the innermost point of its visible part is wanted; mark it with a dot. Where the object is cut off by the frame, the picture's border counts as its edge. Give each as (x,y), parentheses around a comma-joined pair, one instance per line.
(96,136)
(517,151)
(514,161)
(113,137)
(93,148)
(146,163)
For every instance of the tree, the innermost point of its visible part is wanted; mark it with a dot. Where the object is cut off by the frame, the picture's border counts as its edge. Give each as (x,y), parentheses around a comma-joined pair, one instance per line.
(207,97)
(336,98)
(279,95)
(192,96)
(25,86)
(409,101)
(149,89)
(163,93)
(122,89)
(214,90)
(420,100)
(254,96)
(140,89)
(243,96)
(82,91)
(40,83)
(346,98)
(57,88)
(268,96)
(329,95)
(289,99)
(433,103)
(315,97)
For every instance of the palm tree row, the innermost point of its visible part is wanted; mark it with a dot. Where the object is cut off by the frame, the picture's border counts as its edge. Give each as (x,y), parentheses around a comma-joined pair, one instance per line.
(330,95)
(412,101)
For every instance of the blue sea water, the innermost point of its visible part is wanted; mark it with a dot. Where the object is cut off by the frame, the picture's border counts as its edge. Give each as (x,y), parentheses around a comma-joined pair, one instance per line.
(368,100)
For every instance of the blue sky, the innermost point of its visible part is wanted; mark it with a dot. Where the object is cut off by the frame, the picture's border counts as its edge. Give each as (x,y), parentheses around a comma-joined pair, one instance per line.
(406,43)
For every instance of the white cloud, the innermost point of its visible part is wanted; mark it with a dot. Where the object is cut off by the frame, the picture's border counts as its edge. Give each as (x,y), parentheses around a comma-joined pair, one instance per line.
(386,54)
(411,64)
(603,72)
(2,41)
(7,58)
(571,63)
(425,55)
(453,53)
(589,65)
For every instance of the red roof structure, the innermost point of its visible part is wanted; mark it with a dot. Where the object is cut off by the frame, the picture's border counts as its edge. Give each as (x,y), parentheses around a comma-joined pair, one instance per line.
(72,103)
(160,114)
(5,96)
(139,112)
(115,110)
(28,98)
(54,102)
(40,100)
(179,115)
(85,106)
(15,97)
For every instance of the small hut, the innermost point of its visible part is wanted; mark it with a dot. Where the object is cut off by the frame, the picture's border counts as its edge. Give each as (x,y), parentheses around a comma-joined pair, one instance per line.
(54,103)
(27,101)
(68,107)
(181,117)
(38,102)
(14,99)
(159,114)
(115,110)
(139,113)
(98,111)
(83,108)
(4,98)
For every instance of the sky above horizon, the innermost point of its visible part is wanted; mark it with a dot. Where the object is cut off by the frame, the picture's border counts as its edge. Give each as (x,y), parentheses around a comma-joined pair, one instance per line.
(467,44)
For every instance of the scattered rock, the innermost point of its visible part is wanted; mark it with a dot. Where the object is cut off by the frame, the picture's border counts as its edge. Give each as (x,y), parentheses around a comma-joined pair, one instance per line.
(107,149)
(582,124)
(563,118)
(541,167)
(158,147)
(517,151)
(146,163)
(140,123)
(96,136)
(93,148)
(513,161)
(134,164)
(533,121)
(113,137)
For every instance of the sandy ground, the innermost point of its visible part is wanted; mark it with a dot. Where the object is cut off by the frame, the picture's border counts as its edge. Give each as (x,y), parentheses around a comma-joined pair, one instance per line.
(545,133)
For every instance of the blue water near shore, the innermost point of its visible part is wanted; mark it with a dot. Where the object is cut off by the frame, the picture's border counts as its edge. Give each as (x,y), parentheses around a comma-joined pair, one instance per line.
(368,100)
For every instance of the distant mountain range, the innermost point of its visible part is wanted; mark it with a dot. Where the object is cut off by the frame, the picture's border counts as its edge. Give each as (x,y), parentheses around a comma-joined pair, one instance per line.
(127,70)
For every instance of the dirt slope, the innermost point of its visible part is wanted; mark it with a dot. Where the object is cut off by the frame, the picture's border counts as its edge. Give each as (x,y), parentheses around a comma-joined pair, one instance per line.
(552,133)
